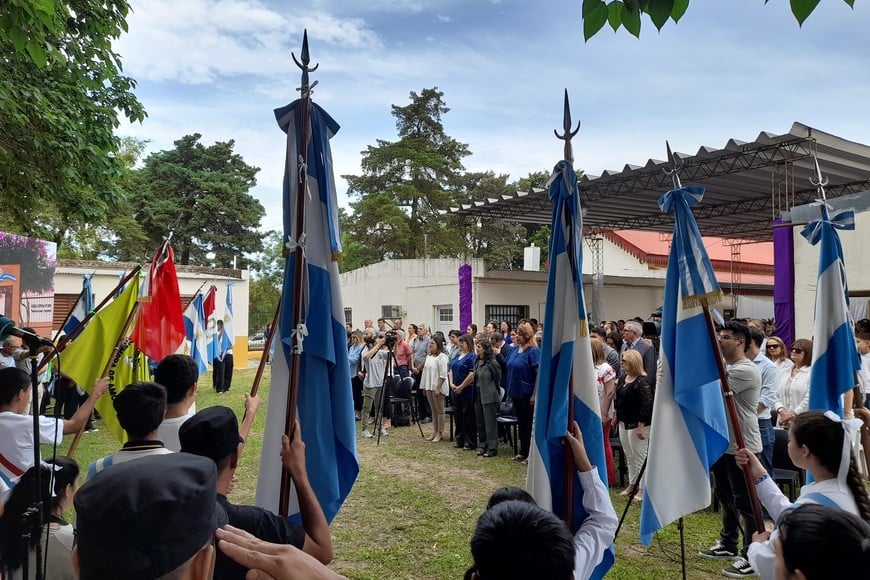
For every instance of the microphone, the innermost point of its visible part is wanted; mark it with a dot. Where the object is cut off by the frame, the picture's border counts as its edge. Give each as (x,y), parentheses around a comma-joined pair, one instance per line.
(34,341)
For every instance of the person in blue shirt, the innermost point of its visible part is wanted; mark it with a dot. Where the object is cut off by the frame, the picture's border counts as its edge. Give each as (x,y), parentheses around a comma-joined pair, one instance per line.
(461,380)
(522,374)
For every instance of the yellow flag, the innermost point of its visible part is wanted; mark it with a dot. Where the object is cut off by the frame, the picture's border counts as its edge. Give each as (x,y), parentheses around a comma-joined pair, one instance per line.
(130,365)
(87,356)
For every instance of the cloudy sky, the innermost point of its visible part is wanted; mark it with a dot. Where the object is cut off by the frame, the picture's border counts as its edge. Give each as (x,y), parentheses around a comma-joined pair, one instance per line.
(730,69)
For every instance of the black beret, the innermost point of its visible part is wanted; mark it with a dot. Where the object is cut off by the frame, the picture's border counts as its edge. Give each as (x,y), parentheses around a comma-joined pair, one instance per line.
(146,517)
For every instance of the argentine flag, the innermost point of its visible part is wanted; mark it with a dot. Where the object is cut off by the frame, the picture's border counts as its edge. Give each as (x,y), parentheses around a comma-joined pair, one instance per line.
(689,430)
(229,335)
(835,353)
(194,327)
(325,404)
(566,362)
(80,310)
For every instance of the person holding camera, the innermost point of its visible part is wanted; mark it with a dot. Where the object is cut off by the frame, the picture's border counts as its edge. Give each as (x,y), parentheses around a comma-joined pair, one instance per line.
(375,360)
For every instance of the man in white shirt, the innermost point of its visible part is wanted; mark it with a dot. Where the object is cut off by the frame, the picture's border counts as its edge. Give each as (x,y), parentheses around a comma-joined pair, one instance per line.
(140,408)
(12,354)
(538,543)
(16,428)
(179,374)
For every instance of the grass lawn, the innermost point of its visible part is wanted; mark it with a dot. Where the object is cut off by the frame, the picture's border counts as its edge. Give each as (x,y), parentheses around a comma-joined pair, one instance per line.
(415,504)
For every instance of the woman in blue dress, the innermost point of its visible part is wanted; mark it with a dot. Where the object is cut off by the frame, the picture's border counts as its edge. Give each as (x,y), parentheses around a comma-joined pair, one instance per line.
(461,377)
(522,374)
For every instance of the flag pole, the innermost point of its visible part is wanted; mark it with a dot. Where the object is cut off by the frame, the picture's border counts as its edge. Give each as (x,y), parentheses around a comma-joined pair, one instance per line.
(566,136)
(195,294)
(65,340)
(733,419)
(267,344)
(116,351)
(727,393)
(68,315)
(109,296)
(299,262)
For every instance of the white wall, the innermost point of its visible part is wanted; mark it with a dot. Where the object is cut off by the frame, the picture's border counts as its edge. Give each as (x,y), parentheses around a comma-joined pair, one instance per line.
(68,280)
(416,285)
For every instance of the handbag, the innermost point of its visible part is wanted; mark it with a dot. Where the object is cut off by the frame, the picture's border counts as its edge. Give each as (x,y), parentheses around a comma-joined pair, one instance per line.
(506,409)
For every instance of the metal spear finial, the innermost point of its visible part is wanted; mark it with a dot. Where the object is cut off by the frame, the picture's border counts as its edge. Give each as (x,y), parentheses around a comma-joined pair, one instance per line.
(567,134)
(820,182)
(675,167)
(305,89)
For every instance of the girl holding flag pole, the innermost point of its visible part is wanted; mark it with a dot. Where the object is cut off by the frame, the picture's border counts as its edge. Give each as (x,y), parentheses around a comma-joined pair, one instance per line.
(820,443)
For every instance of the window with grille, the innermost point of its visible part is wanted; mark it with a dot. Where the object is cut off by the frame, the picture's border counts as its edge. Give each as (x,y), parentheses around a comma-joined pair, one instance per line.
(511,313)
(391,311)
(445,313)
(348,316)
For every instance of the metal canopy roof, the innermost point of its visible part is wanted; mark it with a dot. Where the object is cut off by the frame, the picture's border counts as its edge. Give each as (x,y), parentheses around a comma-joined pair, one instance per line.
(747,186)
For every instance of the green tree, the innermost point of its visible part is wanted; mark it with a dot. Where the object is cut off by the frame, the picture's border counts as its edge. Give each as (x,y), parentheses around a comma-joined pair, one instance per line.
(200,194)
(499,241)
(267,278)
(405,184)
(61,90)
(120,237)
(628,13)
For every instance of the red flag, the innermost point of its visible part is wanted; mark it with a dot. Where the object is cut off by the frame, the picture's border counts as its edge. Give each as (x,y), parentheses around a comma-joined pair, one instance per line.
(159,329)
(208,303)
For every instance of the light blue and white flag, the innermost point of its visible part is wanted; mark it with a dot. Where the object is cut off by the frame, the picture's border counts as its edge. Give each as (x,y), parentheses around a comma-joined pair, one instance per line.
(835,352)
(689,430)
(194,328)
(229,335)
(325,404)
(83,306)
(566,362)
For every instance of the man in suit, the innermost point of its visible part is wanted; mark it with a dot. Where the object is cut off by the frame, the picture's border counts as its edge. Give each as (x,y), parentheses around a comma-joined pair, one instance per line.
(632,335)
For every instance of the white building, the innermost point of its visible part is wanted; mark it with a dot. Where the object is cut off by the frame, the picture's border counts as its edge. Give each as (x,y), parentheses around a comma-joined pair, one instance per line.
(106,275)
(634,270)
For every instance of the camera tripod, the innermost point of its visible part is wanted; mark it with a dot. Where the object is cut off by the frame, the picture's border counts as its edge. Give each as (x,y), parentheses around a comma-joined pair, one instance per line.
(385,395)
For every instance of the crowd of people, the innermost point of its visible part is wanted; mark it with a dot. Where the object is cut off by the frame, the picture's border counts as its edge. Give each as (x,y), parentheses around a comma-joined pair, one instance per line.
(470,373)
(158,507)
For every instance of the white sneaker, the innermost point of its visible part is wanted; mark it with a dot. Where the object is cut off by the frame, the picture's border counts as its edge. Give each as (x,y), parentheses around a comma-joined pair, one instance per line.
(367,434)
(384,432)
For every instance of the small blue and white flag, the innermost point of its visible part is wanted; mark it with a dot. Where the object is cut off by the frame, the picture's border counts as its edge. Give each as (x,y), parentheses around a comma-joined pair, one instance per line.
(566,362)
(689,430)
(229,335)
(835,352)
(80,310)
(194,328)
(325,403)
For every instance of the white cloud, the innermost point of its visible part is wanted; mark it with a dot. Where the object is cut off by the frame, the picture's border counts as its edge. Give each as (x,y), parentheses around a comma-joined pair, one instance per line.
(440,18)
(200,41)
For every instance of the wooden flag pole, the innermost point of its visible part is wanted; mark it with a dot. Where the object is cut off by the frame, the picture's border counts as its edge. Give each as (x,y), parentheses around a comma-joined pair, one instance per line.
(116,352)
(569,459)
(65,340)
(255,387)
(299,264)
(568,456)
(731,407)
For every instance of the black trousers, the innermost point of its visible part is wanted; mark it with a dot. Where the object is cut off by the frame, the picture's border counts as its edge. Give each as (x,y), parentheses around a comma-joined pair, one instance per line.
(222,373)
(466,421)
(524,410)
(737,517)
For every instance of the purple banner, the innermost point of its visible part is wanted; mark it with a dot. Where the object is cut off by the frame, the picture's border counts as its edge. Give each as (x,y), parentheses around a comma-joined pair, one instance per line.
(464,296)
(783,281)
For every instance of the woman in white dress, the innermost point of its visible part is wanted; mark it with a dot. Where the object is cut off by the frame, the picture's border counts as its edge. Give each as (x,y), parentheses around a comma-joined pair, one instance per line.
(433,381)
